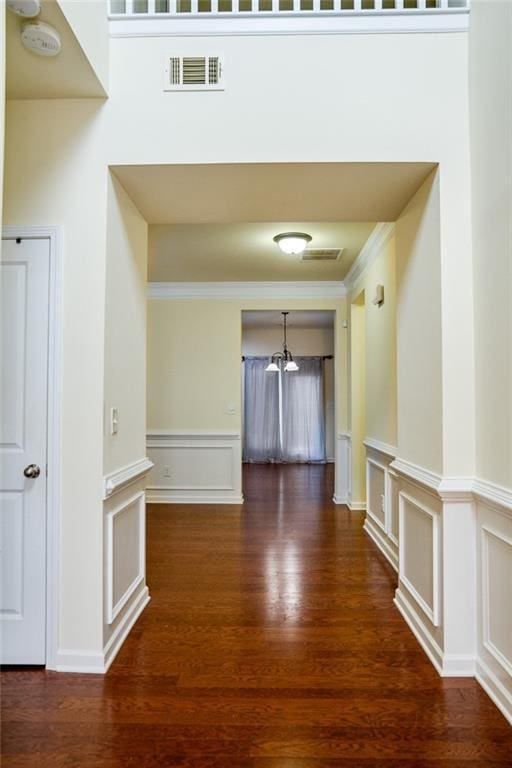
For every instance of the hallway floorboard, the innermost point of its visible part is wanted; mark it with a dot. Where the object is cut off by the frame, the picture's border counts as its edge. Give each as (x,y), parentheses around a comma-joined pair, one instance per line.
(271,641)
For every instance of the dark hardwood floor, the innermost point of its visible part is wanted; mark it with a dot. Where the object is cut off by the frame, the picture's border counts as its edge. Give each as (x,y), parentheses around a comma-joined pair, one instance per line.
(271,641)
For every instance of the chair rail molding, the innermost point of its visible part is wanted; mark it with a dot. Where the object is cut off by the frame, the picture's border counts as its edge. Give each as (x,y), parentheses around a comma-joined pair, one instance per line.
(194,466)
(120,478)
(377,445)
(300,289)
(417,474)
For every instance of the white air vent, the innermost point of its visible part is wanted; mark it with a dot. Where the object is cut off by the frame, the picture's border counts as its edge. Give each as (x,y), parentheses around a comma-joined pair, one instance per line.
(194,73)
(322,254)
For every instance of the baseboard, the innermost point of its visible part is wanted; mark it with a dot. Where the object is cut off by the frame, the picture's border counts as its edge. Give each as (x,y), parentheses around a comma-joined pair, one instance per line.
(173,498)
(495,689)
(340,499)
(381,543)
(357,506)
(418,629)
(124,627)
(91,662)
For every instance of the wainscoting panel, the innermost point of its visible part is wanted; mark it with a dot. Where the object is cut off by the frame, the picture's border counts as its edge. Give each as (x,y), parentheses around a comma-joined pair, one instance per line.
(125,552)
(376,491)
(381,522)
(419,554)
(494,662)
(194,467)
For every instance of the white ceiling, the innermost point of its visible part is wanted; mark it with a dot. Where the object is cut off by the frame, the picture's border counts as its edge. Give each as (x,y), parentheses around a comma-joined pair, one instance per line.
(271,192)
(296,319)
(29,76)
(247,252)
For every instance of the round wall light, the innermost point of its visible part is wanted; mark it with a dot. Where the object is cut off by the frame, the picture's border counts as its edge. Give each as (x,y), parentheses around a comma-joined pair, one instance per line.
(292,242)
(28,9)
(41,38)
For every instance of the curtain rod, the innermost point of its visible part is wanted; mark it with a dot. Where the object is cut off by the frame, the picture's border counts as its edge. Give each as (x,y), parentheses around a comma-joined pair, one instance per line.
(324,357)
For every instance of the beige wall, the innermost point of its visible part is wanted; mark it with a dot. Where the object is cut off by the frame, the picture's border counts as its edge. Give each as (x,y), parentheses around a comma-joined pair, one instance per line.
(301,341)
(125,330)
(380,346)
(358,379)
(64,183)
(2,103)
(419,353)
(194,351)
(491,167)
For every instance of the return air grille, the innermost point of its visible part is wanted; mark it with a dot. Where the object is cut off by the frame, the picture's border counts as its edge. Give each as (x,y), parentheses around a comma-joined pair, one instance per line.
(193,73)
(322,254)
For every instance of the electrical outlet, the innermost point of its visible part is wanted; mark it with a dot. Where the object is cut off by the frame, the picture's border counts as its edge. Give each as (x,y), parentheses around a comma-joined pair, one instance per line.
(167,471)
(231,410)
(382,503)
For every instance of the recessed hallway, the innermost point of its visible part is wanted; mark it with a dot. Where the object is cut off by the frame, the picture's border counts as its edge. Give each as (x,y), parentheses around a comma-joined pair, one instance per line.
(271,640)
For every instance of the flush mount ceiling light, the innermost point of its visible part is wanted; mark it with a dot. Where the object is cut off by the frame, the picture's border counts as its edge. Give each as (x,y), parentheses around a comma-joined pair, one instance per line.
(285,356)
(292,242)
(28,9)
(41,38)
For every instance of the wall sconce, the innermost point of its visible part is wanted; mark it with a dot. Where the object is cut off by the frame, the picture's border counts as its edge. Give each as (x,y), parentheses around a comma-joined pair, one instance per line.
(379,296)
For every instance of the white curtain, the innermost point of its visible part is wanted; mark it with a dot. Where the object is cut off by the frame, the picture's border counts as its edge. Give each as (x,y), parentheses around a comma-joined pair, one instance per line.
(284,412)
(261,411)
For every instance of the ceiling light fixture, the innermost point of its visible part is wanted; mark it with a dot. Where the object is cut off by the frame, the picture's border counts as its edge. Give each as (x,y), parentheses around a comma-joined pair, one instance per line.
(292,242)
(285,356)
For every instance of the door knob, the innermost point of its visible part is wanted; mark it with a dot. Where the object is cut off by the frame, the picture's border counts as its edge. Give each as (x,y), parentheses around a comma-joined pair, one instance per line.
(32,471)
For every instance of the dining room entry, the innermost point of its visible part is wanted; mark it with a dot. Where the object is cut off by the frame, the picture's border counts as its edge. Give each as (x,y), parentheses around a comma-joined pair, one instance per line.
(288,386)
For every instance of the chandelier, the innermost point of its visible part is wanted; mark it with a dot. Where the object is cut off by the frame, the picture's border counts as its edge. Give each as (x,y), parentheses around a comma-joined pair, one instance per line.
(285,356)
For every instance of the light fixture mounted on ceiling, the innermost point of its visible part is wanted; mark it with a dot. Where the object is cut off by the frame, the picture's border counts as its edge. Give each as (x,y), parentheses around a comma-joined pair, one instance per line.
(285,356)
(292,242)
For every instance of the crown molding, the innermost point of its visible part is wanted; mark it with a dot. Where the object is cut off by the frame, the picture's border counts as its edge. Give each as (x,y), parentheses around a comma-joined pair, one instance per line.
(321,289)
(379,237)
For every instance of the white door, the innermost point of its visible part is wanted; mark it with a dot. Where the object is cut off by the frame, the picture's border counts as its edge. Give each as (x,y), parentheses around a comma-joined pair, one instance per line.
(24,283)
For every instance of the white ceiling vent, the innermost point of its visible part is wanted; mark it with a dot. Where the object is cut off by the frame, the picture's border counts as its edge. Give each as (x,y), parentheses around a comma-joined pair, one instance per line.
(322,254)
(194,73)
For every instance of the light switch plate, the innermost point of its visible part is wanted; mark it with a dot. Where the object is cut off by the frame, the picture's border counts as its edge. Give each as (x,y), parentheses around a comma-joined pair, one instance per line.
(114,421)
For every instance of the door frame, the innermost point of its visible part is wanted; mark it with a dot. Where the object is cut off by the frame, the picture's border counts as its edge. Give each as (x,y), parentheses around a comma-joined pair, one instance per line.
(54,235)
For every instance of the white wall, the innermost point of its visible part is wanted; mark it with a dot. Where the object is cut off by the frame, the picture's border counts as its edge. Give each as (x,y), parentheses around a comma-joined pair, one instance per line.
(490,70)
(66,185)
(491,166)
(421,115)
(125,389)
(419,335)
(302,341)
(125,330)
(88,20)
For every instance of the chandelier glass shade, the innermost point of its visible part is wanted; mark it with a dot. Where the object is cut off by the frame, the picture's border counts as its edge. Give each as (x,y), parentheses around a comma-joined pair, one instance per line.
(284,358)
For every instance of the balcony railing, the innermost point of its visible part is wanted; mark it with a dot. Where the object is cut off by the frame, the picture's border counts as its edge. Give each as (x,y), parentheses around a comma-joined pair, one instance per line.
(301,15)
(164,8)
